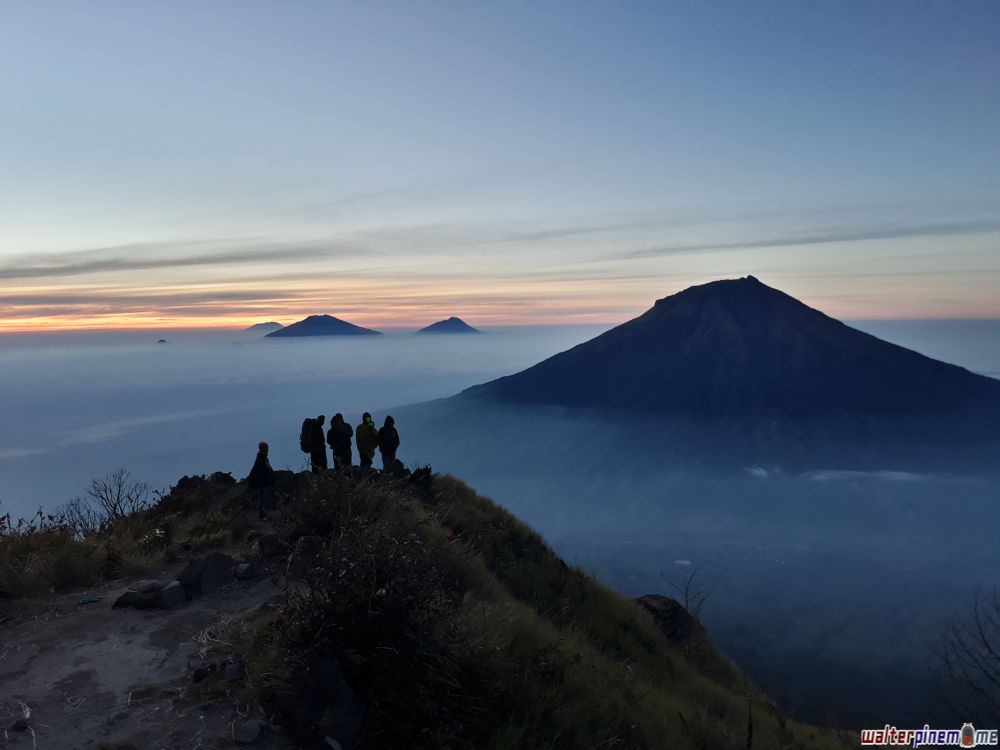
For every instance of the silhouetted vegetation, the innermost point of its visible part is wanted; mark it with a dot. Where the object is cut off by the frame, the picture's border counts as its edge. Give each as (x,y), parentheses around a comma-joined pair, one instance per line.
(458,627)
(118,527)
(968,655)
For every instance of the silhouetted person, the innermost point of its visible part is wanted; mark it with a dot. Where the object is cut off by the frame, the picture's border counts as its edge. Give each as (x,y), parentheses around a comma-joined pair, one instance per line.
(339,439)
(261,480)
(388,442)
(317,445)
(367,439)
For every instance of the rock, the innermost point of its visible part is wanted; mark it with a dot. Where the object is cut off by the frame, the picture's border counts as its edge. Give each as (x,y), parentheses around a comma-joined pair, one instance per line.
(322,706)
(233,671)
(222,477)
(145,600)
(308,546)
(201,669)
(246,570)
(152,595)
(19,725)
(272,545)
(284,480)
(143,586)
(172,595)
(675,622)
(203,575)
(249,732)
(396,468)
(190,483)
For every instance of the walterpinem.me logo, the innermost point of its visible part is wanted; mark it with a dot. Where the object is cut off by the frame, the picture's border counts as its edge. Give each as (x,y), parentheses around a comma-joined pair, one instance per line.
(967,736)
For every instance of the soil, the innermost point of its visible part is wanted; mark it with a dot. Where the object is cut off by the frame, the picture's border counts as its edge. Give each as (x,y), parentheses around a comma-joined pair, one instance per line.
(87,676)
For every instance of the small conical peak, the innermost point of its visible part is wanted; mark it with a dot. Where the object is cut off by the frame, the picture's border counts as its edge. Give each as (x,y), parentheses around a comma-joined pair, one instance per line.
(454,324)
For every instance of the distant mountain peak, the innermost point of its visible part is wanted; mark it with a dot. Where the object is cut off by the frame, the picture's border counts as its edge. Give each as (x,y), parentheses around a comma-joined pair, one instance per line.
(739,348)
(264,327)
(450,325)
(321,325)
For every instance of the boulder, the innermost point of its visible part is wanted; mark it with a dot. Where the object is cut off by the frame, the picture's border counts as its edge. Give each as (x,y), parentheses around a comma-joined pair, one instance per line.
(143,586)
(203,575)
(137,600)
(190,483)
(201,669)
(322,706)
(222,477)
(284,479)
(249,732)
(233,671)
(396,468)
(272,545)
(162,595)
(172,595)
(675,622)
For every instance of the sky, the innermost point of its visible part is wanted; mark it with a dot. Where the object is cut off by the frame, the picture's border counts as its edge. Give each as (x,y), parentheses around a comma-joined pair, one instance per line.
(225,163)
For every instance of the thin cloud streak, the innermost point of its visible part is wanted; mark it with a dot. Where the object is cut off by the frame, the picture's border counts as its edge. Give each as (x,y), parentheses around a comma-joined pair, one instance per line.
(123,258)
(825,238)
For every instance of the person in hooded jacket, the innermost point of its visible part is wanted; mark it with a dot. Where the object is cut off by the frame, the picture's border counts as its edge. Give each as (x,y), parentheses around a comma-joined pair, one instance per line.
(317,445)
(261,480)
(388,442)
(339,439)
(367,438)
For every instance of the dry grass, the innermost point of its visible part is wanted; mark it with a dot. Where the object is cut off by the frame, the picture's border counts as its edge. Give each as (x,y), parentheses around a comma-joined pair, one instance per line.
(48,554)
(453,618)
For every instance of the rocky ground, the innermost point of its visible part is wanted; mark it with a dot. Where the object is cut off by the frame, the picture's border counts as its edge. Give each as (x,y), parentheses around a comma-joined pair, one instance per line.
(77,672)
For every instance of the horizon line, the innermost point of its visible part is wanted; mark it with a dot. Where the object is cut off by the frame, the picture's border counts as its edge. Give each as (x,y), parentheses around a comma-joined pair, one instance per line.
(242,327)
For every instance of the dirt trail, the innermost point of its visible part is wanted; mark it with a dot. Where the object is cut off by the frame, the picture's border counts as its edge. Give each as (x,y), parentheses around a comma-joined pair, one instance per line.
(93,677)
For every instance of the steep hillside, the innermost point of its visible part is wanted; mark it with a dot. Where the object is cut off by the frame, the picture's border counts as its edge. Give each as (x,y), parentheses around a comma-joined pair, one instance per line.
(376,612)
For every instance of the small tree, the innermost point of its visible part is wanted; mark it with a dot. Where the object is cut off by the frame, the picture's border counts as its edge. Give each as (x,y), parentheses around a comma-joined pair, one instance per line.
(691,595)
(117,495)
(107,500)
(968,656)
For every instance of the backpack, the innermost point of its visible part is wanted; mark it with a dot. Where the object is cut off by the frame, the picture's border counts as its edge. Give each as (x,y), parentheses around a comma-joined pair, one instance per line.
(304,444)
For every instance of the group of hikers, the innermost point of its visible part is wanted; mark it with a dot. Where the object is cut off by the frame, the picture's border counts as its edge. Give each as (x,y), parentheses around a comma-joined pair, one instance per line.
(368,437)
(312,441)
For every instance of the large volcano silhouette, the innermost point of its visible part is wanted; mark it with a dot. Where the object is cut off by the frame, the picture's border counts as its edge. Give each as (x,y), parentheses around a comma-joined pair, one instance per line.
(729,373)
(741,348)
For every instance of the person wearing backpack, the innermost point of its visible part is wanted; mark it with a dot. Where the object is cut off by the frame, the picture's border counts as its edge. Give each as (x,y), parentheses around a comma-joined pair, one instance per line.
(261,480)
(388,442)
(312,439)
(339,440)
(367,439)
(304,435)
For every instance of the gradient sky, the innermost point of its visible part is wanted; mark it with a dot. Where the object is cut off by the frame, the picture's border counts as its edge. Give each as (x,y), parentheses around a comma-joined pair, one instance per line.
(223,163)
